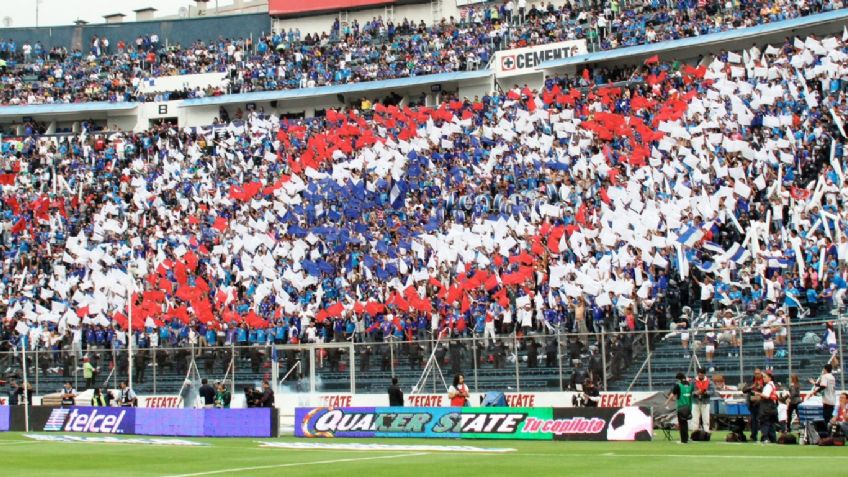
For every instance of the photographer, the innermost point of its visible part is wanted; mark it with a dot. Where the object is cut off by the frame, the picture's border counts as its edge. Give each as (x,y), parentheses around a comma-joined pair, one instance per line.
(250,397)
(752,396)
(591,397)
(682,392)
(395,394)
(266,399)
(69,395)
(14,392)
(578,374)
(222,397)
(768,409)
(839,423)
(101,398)
(127,397)
(703,391)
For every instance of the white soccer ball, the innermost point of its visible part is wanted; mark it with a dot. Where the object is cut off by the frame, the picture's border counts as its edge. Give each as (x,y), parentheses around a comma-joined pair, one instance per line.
(627,423)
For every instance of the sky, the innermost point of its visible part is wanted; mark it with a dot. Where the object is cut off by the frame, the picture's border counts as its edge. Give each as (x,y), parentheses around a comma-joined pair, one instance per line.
(64,12)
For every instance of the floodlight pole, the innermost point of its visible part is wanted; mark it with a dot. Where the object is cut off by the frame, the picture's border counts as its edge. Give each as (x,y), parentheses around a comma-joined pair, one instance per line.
(25,384)
(130,327)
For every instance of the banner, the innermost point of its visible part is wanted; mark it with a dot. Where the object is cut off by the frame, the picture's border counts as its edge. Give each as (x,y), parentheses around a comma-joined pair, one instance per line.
(173,401)
(101,420)
(520,61)
(287,402)
(290,7)
(255,422)
(38,417)
(597,424)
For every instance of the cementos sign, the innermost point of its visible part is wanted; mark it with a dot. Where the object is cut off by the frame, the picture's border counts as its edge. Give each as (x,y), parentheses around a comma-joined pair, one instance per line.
(104,420)
(521,61)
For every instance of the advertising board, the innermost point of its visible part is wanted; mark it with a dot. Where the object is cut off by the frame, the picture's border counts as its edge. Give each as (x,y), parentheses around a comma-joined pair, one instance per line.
(287,402)
(289,7)
(519,61)
(254,422)
(5,418)
(598,424)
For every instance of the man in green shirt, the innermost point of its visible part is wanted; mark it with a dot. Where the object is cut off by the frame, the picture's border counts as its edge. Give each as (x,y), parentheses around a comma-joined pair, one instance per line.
(222,397)
(88,372)
(682,393)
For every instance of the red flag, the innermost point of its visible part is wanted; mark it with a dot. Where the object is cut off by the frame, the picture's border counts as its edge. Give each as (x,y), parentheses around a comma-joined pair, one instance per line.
(180,273)
(524,258)
(580,217)
(19,226)
(466,304)
(652,60)
(220,224)
(321,316)
(374,308)
(335,310)
(181,313)
(604,196)
(190,260)
(120,319)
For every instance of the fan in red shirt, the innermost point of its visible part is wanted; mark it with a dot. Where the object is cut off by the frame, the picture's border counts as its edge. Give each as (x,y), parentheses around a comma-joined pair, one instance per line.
(458,393)
(840,421)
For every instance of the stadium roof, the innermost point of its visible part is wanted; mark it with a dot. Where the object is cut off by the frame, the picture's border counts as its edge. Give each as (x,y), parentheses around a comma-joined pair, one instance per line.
(787,26)
(339,89)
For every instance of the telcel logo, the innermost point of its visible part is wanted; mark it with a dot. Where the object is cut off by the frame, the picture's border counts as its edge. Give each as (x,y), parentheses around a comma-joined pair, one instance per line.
(94,422)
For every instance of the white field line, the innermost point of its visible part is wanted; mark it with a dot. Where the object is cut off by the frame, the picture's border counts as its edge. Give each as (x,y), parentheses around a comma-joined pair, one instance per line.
(297,464)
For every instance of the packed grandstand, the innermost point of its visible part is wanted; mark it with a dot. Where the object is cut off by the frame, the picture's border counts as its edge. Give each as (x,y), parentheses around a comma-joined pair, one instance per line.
(112,69)
(689,211)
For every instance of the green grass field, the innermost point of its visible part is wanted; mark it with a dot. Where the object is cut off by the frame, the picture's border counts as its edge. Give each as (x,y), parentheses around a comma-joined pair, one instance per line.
(22,456)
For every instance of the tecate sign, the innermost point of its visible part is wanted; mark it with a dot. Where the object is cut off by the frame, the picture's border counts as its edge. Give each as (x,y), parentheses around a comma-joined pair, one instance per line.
(101,420)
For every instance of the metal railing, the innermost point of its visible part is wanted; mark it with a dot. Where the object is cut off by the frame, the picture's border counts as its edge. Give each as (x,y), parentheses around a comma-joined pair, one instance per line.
(539,360)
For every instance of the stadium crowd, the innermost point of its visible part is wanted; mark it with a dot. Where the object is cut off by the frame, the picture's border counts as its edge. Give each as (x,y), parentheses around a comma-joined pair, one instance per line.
(110,70)
(525,212)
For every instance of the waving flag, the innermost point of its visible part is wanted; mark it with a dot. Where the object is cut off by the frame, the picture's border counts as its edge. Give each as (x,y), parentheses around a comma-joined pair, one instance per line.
(690,236)
(737,253)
